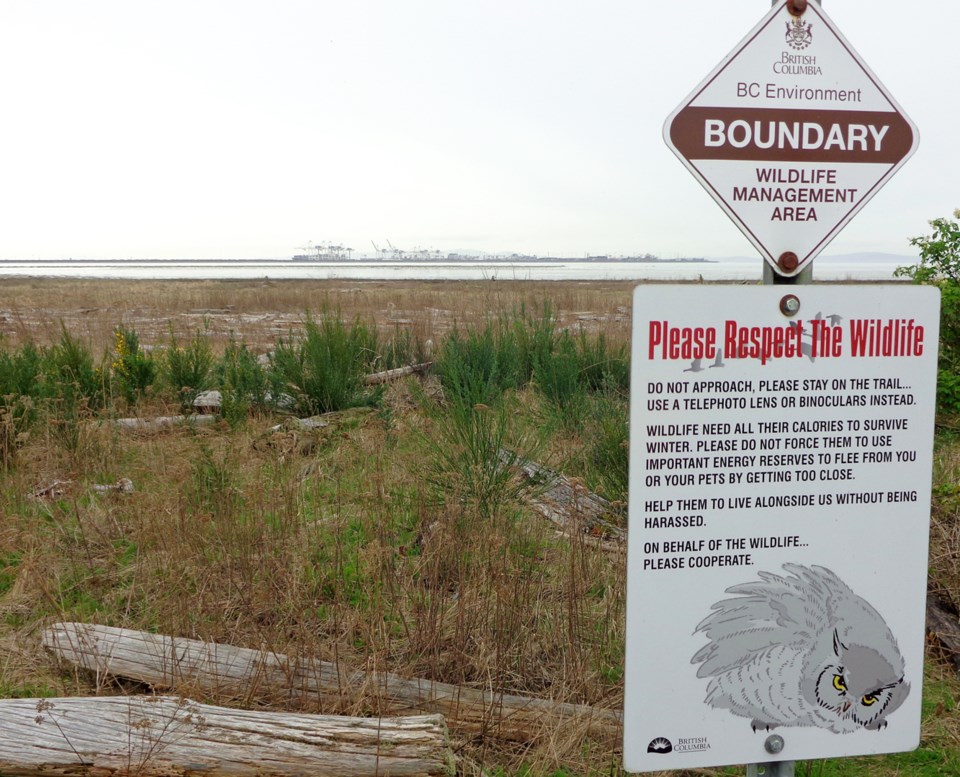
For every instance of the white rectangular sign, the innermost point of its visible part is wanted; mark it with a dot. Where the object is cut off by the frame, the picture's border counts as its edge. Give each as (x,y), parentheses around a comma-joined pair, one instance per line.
(780,466)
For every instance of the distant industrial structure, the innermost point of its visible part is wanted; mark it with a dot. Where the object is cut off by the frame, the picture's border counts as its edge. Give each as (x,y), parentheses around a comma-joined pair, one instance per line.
(323,252)
(330,252)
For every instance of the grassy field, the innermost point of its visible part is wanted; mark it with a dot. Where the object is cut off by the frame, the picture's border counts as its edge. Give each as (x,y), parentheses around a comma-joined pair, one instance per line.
(393,538)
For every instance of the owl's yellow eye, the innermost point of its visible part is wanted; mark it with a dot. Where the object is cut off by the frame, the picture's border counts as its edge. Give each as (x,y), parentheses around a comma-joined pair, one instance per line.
(838,683)
(868,700)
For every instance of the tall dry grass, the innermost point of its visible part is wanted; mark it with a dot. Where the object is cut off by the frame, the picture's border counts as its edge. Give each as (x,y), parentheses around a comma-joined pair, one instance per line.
(389,539)
(258,311)
(381,541)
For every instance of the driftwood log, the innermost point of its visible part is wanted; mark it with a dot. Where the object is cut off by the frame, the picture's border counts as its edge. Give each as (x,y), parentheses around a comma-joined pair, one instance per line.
(571,505)
(212,401)
(162,422)
(376,378)
(943,625)
(163,736)
(188,666)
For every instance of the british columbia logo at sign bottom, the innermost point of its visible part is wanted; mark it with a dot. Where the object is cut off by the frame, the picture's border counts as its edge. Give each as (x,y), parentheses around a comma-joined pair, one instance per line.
(660,745)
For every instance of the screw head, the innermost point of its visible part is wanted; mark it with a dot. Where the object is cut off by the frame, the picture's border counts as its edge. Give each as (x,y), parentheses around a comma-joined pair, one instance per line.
(790,304)
(788,261)
(774,744)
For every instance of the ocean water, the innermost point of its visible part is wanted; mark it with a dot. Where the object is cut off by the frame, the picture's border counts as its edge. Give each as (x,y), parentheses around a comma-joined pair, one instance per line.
(719,270)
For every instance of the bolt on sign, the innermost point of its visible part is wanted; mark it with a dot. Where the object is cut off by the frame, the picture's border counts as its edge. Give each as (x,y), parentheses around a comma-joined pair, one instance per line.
(791,134)
(781,451)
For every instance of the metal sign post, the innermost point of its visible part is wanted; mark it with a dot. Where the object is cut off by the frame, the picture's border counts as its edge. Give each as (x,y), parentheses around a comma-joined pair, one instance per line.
(775,743)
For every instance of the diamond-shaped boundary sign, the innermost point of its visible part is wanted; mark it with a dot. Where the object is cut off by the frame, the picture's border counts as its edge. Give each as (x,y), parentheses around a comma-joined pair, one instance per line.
(791,134)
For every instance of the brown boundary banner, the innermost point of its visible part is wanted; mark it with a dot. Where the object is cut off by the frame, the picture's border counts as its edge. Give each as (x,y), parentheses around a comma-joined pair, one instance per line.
(790,135)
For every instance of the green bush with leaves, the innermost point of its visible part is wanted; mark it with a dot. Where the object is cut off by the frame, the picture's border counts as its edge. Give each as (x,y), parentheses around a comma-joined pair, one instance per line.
(526,340)
(188,369)
(324,370)
(20,385)
(471,368)
(603,367)
(473,453)
(70,375)
(73,389)
(560,378)
(243,382)
(134,370)
(479,364)
(939,265)
(607,445)
(20,372)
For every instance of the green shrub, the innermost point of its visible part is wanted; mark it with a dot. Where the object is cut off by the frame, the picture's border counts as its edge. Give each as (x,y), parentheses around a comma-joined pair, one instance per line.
(69,374)
(527,340)
(608,447)
(20,386)
(603,367)
(134,371)
(559,377)
(470,368)
(471,456)
(20,372)
(188,369)
(948,390)
(73,390)
(243,383)
(324,370)
(939,265)
(478,365)
(939,254)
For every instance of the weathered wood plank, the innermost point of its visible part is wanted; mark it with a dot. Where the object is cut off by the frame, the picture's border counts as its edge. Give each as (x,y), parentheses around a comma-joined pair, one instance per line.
(186,665)
(163,735)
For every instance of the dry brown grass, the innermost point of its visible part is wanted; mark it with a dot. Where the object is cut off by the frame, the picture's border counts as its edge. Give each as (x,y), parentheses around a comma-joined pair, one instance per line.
(258,311)
(334,544)
(945,518)
(329,547)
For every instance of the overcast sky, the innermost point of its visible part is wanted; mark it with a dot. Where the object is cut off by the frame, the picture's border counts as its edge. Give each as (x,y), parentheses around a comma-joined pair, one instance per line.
(229,128)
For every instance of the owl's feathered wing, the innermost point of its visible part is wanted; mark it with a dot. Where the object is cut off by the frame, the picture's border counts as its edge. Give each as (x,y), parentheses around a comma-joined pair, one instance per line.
(774,611)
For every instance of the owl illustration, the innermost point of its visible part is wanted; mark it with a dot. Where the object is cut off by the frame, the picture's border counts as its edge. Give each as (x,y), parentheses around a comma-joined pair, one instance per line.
(801,650)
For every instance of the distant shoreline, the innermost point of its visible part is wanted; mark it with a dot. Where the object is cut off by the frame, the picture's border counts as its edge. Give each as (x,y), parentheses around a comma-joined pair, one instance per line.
(677,269)
(369,260)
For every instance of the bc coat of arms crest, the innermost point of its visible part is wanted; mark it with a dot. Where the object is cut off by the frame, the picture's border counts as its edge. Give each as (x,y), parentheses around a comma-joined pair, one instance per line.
(799,34)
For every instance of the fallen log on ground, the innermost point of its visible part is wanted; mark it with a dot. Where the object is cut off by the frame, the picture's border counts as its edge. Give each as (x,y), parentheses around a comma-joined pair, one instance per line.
(158,736)
(943,625)
(376,378)
(58,488)
(212,401)
(186,665)
(162,422)
(570,504)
